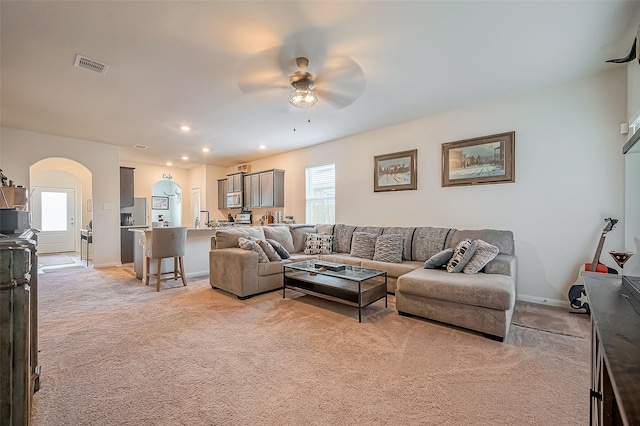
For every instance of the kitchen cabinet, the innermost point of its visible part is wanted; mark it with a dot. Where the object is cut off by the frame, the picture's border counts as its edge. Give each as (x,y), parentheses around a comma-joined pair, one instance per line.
(126,186)
(265,189)
(247,190)
(222,193)
(126,246)
(234,182)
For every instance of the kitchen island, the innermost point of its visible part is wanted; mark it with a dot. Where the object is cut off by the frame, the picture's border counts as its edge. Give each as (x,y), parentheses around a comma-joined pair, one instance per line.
(196,258)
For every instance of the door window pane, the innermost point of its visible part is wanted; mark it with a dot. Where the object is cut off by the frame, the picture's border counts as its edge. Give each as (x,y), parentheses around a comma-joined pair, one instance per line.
(54,211)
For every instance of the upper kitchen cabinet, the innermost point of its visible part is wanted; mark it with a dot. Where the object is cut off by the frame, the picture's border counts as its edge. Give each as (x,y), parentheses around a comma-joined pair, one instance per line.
(126,186)
(266,189)
(222,193)
(234,182)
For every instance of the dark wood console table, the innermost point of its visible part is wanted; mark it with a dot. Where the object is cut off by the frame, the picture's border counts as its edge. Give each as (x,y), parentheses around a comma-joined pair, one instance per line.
(615,353)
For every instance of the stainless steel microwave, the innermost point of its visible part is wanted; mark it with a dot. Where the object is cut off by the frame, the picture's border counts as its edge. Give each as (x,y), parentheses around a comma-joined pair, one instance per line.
(234,200)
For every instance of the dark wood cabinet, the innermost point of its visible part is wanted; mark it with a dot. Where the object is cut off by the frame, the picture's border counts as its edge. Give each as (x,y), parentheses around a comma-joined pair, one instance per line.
(19,369)
(615,345)
(222,193)
(126,186)
(126,246)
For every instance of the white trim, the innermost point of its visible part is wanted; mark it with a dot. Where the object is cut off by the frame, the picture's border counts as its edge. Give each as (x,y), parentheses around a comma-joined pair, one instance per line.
(105,265)
(544,301)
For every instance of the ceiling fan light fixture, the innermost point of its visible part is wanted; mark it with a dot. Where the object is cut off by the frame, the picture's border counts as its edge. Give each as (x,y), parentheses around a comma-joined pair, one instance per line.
(302,97)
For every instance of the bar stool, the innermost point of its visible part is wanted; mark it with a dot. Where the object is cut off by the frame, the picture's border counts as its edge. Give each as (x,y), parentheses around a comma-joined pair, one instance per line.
(167,242)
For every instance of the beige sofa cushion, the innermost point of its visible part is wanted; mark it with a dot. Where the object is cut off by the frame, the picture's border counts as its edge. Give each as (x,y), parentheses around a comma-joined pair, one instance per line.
(228,238)
(270,268)
(281,234)
(486,290)
(298,234)
(392,269)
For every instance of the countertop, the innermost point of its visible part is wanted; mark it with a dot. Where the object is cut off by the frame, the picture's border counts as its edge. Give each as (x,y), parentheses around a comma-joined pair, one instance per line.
(133,226)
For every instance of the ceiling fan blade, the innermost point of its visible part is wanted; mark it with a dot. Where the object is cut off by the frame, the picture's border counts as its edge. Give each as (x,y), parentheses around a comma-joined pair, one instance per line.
(261,72)
(341,81)
(336,99)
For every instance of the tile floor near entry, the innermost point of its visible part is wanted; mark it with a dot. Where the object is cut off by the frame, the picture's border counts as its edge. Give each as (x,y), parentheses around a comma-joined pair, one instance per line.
(54,261)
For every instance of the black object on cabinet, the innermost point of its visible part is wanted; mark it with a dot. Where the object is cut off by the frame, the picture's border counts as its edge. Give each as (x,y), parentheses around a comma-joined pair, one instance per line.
(126,186)
(19,369)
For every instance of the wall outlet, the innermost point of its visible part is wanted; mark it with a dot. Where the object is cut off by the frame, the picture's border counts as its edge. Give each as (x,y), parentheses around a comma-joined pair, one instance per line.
(107,206)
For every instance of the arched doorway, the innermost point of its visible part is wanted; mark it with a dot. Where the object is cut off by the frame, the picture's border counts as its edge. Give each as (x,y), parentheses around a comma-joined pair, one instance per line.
(166,203)
(61,194)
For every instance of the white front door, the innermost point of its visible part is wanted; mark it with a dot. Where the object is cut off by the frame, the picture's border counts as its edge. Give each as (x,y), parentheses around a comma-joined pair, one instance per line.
(54,214)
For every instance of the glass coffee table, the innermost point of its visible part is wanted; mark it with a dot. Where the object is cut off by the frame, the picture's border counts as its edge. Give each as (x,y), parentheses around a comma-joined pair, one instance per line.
(351,285)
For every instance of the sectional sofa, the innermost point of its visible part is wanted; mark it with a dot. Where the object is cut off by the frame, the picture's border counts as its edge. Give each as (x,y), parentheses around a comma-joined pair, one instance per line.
(481,301)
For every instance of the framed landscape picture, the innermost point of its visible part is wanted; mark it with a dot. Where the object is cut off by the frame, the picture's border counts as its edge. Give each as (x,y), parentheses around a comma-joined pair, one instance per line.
(160,203)
(483,160)
(395,172)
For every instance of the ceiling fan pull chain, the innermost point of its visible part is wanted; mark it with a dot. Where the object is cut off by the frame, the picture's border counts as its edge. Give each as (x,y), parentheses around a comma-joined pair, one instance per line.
(294,120)
(309,111)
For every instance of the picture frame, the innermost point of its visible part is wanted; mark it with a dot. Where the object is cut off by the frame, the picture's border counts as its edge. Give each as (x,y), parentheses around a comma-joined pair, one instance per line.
(396,171)
(478,161)
(159,203)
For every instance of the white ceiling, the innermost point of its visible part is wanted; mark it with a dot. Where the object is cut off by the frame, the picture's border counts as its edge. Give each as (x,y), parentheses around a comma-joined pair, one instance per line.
(178,63)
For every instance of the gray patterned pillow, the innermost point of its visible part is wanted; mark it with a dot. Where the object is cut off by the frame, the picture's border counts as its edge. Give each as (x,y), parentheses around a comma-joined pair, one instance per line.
(461,255)
(439,260)
(363,245)
(318,244)
(484,254)
(247,244)
(389,248)
(267,248)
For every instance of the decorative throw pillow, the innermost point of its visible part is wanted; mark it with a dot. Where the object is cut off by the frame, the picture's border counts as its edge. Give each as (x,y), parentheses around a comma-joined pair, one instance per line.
(281,234)
(318,243)
(247,244)
(363,245)
(388,248)
(267,248)
(439,260)
(484,254)
(461,255)
(282,252)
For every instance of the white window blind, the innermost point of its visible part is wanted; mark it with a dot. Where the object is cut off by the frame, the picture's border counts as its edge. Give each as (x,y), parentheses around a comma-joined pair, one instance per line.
(321,194)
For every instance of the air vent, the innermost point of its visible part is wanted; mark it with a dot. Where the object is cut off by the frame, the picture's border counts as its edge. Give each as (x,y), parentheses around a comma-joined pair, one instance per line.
(90,64)
(138,146)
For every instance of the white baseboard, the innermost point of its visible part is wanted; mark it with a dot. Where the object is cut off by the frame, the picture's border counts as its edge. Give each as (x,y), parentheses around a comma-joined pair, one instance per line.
(104,265)
(543,300)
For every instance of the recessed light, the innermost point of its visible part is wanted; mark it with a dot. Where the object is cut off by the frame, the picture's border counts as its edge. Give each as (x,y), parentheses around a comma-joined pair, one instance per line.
(263,147)
(185,128)
(184,157)
(205,149)
(169,164)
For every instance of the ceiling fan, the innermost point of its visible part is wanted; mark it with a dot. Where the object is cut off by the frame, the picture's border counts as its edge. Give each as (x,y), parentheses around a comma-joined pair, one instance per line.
(338,80)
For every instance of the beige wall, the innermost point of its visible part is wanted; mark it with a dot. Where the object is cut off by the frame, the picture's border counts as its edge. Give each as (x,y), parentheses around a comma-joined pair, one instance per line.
(569,173)
(40,175)
(21,149)
(633,90)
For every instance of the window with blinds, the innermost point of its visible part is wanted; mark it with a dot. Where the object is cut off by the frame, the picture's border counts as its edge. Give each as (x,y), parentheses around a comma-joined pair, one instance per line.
(321,194)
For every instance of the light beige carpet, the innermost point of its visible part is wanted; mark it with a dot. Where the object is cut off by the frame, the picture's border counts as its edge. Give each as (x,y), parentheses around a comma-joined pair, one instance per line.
(115,352)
